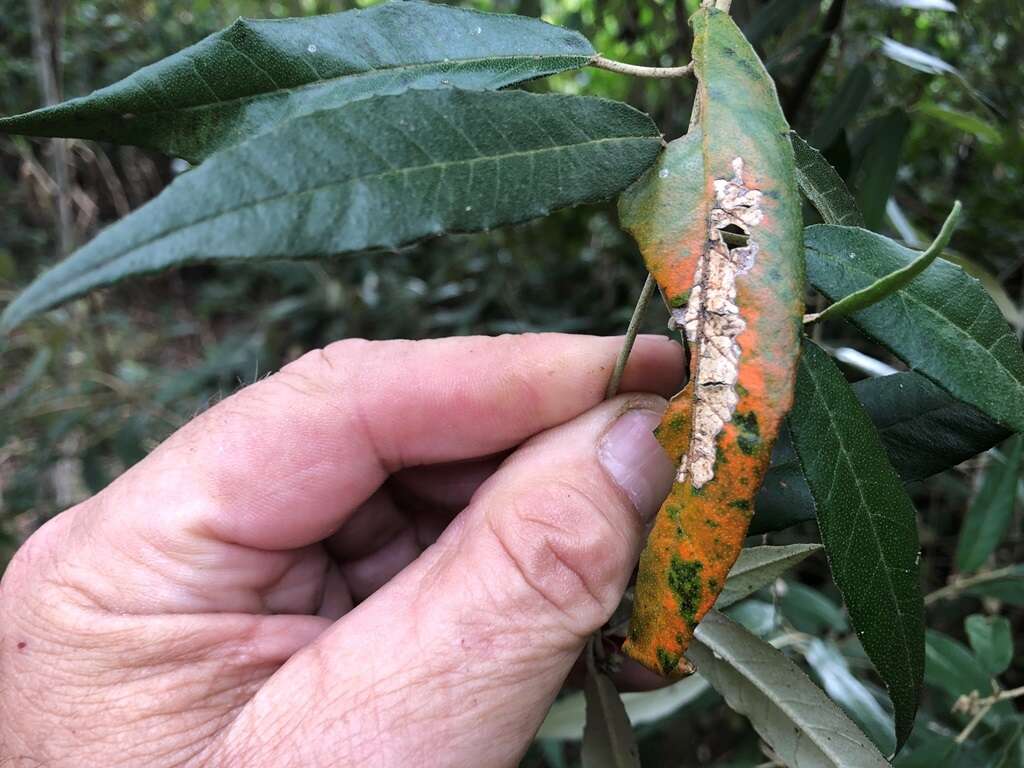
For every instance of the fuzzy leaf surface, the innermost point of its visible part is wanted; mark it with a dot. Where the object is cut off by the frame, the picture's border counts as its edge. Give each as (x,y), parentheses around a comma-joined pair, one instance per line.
(868,526)
(379,173)
(258,72)
(942,324)
(793,715)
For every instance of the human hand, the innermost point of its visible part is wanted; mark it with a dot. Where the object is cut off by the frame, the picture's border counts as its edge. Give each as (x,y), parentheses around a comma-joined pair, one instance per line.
(272,587)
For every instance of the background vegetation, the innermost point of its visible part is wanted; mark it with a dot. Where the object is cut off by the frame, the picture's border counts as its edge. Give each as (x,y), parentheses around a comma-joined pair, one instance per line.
(90,388)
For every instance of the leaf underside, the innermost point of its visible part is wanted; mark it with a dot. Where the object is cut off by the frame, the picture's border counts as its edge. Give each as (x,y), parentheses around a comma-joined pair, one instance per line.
(378,173)
(244,80)
(793,715)
(740,306)
(868,526)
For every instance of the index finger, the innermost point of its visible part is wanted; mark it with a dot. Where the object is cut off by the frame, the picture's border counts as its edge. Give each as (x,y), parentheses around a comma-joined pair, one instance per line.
(282,463)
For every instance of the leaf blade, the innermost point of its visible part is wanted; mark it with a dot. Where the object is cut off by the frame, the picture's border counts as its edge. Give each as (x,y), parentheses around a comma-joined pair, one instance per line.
(608,740)
(868,529)
(991,511)
(279,196)
(741,311)
(823,187)
(799,722)
(757,567)
(941,324)
(239,82)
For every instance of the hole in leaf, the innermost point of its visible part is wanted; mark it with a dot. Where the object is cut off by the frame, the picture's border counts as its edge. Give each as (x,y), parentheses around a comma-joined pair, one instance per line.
(734,237)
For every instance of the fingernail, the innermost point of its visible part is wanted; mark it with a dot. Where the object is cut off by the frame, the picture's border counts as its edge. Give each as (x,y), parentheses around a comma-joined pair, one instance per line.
(636,463)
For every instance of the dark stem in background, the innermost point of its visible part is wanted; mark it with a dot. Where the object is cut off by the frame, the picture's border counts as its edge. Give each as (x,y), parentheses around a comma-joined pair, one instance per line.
(795,99)
(47,34)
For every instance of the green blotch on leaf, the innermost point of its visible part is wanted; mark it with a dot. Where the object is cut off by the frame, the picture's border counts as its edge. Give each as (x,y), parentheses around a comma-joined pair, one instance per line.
(667,661)
(749,437)
(741,504)
(684,581)
(710,523)
(679,300)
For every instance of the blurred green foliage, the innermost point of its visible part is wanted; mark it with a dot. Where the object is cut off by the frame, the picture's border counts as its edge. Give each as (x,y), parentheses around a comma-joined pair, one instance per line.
(86,391)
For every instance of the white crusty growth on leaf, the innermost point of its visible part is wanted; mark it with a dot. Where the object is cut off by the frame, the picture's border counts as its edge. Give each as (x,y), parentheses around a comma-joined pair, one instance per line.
(712,321)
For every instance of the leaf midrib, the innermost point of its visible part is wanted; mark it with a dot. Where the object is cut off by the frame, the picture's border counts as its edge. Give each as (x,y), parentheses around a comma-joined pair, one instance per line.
(744,666)
(909,297)
(264,95)
(369,177)
(864,507)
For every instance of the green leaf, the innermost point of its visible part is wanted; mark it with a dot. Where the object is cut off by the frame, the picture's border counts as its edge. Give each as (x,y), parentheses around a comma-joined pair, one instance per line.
(952,668)
(843,108)
(923,428)
(773,17)
(608,740)
(379,173)
(758,567)
(797,720)
(822,186)
(565,720)
(244,80)
(991,510)
(991,639)
(943,324)
(867,525)
(964,122)
(833,672)
(809,611)
(892,282)
(881,146)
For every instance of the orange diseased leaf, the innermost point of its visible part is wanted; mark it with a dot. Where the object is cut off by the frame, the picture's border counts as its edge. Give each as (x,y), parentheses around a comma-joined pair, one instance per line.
(718,222)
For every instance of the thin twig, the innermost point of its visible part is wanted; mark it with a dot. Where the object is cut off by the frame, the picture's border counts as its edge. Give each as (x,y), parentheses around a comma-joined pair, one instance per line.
(961,584)
(600,62)
(631,331)
(981,708)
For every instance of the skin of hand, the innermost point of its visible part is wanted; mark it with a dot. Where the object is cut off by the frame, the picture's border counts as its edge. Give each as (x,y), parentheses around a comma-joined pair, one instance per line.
(387,553)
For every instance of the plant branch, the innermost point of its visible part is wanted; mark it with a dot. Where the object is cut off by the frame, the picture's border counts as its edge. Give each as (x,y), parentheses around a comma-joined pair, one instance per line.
(981,707)
(627,346)
(894,281)
(960,584)
(600,62)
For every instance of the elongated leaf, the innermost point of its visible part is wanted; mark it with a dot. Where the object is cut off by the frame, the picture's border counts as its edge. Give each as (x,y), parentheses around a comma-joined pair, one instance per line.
(811,612)
(800,723)
(880,146)
(892,282)
(843,108)
(823,187)
(915,58)
(378,173)
(565,720)
(922,5)
(851,694)
(244,80)
(992,509)
(608,740)
(964,122)
(923,428)
(773,17)
(991,639)
(740,305)
(942,324)
(867,525)
(954,669)
(758,567)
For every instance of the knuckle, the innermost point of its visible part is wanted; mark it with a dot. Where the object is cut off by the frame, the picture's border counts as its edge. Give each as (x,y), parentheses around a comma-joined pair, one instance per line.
(560,537)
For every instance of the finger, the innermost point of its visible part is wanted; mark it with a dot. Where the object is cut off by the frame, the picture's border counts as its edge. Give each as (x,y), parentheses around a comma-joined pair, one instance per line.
(282,463)
(468,646)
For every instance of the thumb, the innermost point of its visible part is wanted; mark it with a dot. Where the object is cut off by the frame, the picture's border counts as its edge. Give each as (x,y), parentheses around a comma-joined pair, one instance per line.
(456,661)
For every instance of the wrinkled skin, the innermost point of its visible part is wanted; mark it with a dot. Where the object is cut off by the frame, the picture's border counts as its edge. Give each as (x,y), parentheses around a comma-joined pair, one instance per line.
(272,586)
